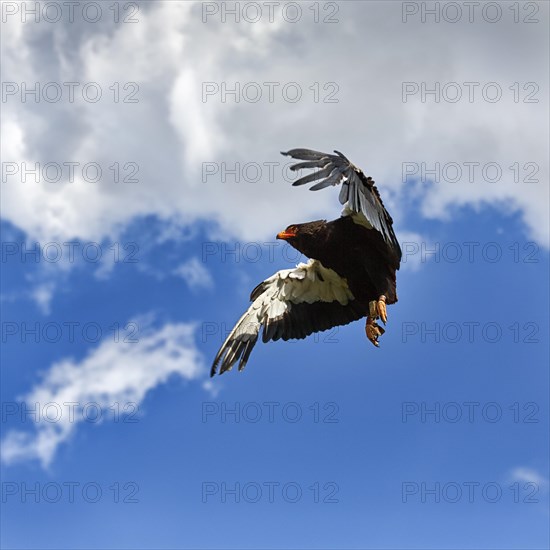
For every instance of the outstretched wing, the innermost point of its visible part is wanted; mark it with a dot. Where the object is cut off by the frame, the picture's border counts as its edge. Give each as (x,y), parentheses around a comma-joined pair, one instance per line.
(292,303)
(358,190)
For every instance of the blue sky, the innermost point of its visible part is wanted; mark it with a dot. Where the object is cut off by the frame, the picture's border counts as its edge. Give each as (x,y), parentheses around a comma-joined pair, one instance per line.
(439,439)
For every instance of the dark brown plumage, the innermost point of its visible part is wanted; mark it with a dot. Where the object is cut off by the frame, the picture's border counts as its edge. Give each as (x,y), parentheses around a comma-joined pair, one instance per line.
(351,274)
(358,254)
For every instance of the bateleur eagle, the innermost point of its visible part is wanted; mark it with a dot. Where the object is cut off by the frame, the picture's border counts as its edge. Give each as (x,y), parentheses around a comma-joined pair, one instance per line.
(350,274)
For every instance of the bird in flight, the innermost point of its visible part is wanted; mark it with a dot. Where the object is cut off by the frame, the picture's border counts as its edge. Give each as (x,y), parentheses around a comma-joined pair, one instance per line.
(350,274)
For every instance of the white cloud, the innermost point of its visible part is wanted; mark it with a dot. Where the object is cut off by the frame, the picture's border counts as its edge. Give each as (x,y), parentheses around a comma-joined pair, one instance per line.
(42,295)
(524,474)
(113,372)
(172,131)
(412,247)
(211,388)
(194,274)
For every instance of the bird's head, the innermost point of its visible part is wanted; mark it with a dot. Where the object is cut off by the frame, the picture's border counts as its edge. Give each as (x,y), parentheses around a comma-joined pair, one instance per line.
(303,236)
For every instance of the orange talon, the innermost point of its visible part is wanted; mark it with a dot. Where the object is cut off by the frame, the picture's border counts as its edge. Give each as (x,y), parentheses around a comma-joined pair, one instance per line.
(373,330)
(381,309)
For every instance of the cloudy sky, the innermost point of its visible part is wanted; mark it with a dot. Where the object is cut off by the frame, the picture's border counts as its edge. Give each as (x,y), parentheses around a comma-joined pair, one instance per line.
(142,188)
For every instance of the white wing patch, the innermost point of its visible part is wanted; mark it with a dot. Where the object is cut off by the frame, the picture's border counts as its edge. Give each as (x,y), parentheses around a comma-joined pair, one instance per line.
(272,299)
(311,282)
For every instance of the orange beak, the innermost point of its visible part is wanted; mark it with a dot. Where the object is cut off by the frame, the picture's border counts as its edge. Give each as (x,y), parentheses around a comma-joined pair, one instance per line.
(285,235)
